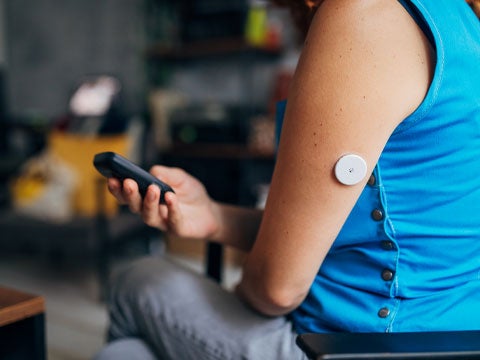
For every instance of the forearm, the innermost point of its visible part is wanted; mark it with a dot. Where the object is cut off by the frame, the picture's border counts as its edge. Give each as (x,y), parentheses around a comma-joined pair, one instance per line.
(238,226)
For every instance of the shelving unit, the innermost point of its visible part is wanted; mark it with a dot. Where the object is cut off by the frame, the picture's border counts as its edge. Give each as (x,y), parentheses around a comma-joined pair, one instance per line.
(229,170)
(210,48)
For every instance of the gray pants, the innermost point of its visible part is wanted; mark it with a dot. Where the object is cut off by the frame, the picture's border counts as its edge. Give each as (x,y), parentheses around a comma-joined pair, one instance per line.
(160,310)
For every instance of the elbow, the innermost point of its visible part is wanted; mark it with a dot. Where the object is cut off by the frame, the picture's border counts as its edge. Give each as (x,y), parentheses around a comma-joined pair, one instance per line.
(284,300)
(272,300)
(288,299)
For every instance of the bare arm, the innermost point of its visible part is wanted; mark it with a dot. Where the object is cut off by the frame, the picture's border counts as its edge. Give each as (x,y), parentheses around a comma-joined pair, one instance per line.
(238,226)
(364,68)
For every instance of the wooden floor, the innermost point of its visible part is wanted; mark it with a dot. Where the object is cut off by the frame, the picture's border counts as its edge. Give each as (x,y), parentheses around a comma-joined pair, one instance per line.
(76,319)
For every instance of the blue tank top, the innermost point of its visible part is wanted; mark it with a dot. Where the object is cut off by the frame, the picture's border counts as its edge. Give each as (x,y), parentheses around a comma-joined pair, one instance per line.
(408,256)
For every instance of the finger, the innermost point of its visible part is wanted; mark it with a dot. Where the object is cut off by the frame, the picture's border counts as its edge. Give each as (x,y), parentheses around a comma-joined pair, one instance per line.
(161,221)
(115,188)
(170,199)
(163,213)
(174,213)
(171,176)
(150,208)
(132,195)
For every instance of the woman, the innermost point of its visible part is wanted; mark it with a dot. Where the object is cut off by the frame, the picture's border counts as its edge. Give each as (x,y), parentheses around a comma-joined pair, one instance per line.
(387,88)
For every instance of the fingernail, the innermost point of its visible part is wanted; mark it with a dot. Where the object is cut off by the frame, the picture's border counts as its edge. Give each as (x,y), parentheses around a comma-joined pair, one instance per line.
(151,196)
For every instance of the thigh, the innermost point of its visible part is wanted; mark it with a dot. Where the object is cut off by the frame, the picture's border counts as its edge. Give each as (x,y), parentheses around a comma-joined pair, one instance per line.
(182,314)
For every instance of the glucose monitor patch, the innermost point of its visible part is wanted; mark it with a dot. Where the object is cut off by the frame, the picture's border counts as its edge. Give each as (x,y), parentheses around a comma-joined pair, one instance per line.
(350,169)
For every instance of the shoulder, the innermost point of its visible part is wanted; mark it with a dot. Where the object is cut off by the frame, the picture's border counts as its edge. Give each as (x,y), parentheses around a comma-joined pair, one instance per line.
(373,42)
(362,15)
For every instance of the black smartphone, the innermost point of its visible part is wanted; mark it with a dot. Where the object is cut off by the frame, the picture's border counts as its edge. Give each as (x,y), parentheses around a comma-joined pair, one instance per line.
(111,164)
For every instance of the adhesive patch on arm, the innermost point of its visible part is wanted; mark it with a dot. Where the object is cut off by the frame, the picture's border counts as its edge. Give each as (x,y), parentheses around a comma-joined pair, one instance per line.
(350,169)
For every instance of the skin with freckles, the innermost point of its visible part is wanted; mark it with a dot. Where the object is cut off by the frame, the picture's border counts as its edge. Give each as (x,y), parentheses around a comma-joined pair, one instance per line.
(351,89)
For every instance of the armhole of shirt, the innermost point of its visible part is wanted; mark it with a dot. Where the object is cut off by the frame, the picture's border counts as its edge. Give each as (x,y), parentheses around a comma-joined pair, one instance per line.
(436,43)
(419,19)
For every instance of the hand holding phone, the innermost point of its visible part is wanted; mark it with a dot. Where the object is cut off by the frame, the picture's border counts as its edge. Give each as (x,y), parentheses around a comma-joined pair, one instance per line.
(111,164)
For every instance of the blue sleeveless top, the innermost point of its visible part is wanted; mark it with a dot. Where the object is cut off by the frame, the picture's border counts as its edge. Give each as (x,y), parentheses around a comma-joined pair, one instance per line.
(408,256)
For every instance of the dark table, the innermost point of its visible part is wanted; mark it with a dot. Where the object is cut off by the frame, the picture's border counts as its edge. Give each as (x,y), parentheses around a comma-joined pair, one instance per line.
(22,325)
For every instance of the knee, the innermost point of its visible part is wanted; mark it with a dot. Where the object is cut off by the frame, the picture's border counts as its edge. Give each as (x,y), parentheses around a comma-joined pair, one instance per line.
(148,281)
(128,349)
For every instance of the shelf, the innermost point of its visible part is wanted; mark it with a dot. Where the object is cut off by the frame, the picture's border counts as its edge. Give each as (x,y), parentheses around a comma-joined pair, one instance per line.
(210,48)
(218,151)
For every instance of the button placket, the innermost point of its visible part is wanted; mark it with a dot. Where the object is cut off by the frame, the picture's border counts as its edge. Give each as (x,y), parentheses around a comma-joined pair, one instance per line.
(387,274)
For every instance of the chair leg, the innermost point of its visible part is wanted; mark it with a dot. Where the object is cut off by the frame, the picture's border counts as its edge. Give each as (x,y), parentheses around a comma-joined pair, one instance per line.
(214,261)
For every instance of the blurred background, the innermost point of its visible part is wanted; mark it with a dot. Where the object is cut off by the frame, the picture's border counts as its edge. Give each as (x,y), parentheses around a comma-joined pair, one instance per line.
(184,83)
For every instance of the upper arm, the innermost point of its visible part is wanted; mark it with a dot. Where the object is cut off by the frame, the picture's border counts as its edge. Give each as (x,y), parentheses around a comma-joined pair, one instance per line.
(364,68)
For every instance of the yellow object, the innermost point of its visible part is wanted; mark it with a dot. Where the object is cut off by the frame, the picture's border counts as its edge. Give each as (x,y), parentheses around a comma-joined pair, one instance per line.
(256,27)
(78,152)
(26,189)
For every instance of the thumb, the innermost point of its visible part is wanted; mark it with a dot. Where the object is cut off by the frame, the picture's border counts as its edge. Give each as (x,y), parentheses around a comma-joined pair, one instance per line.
(169,175)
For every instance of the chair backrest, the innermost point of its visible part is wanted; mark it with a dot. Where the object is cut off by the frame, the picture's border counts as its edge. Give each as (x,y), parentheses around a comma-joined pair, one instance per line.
(412,345)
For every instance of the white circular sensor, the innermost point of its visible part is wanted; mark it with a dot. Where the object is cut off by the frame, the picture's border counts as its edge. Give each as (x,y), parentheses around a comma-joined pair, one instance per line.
(350,169)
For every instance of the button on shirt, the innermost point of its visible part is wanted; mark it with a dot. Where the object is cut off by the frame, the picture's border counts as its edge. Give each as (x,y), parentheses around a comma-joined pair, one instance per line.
(408,256)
